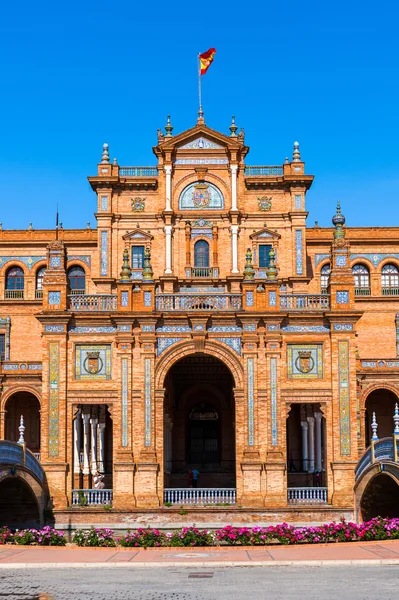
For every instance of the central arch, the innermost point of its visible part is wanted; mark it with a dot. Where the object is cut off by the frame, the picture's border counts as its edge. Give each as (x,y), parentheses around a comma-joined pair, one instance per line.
(380,498)
(19,508)
(199,423)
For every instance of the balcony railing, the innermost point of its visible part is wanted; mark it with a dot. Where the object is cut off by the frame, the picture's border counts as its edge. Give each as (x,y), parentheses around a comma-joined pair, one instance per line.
(77,292)
(200,495)
(362,291)
(91,497)
(254,171)
(305,301)
(200,302)
(390,291)
(93,302)
(14,294)
(38,294)
(138,172)
(307,495)
(201,272)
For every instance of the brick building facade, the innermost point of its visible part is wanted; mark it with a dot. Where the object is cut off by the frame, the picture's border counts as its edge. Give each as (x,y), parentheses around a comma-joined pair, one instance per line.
(201,325)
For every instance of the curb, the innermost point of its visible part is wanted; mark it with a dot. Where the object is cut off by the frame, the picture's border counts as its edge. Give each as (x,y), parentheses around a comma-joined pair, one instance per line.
(206,564)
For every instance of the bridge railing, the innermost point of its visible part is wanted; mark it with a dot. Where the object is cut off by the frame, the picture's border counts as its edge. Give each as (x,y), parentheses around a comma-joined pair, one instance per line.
(380,450)
(12,453)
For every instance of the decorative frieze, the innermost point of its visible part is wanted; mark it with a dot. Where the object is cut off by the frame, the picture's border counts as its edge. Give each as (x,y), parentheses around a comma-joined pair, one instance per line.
(221,328)
(305,329)
(344,397)
(29,261)
(169,328)
(272,327)
(93,329)
(343,327)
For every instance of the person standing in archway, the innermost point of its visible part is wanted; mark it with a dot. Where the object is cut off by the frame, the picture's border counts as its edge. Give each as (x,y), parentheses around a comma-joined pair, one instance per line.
(195,473)
(190,477)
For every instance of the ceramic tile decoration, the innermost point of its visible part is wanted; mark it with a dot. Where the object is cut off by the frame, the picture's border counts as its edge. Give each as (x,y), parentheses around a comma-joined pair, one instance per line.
(93,329)
(342,297)
(304,361)
(169,328)
(318,258)
(272,298)
(54,381)
(54,328)
(249,327)
(54,298)
(250,401)
(104,253)
(29,261)
(272,328)
(124,298)
(298,201)
(233,342)
(124,328)
(344,397)
(84,258)
(201,196)
(249,298)
(201,143)
(343,327)
(163,343)
(273,400)
(305,329)
(147,298)
(340,260)
(375,259)
(298,251)
(125,382)
(55,261)
(104,202)
(147,401)
(93,361)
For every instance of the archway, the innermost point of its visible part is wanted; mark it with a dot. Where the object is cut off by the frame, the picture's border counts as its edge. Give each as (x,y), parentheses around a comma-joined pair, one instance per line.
(199,423)
(18,505)
(27,405)
(382,402)
(380,498)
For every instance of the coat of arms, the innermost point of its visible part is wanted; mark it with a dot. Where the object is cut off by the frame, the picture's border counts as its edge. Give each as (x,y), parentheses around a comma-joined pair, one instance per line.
(138,204)
(265,203)
(201,195)
(93,363)
(305,361)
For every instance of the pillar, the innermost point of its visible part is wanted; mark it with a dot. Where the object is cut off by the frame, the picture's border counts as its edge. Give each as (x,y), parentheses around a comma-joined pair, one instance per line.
(77,430)
(101,449)
(86,443)
(93,422)
(234,249)
(304,426)
(319,460)
(311,444)
(233,170)
(168,173)
(168,249)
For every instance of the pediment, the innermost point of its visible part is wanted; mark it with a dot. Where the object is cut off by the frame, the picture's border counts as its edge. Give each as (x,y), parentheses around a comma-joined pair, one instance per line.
(137,234)
(265,233)
(200,143)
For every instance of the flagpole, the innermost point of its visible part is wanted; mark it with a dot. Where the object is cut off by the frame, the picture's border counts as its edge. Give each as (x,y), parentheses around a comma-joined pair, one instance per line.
(200,113)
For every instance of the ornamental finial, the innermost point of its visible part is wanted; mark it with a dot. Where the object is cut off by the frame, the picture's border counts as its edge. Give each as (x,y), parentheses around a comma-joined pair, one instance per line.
(105,155)
(21,430)
(396,420)
(147,269)
(233,127)
(271,270)
(168,128)
(296,156)
(338,221)
(374,426)
(200,116)
(249,272)
(125,271)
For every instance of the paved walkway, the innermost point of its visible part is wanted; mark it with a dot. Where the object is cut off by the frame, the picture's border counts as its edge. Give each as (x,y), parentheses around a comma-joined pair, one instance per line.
(372,553)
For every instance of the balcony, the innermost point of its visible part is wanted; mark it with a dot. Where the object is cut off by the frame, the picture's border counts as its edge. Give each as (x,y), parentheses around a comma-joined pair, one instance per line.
(260,171)
(202,496)
(201,272)
(305,301)
(138,172)
(307,495)
(362,291)
(93,302)
(91,497)
(390,291)
(14,294)
(198,302)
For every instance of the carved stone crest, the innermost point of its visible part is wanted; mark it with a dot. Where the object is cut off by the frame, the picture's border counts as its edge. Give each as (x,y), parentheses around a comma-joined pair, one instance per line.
(305,361)
(93,363)
(138,204)
(201,195)
(265,203)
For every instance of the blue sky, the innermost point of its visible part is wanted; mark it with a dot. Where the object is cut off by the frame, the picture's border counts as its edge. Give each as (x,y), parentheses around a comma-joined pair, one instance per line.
(78,74)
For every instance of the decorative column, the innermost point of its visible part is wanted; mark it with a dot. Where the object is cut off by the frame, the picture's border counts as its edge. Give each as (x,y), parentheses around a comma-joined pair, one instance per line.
(233,170)
(168,249)
(304,426)
(93,422)
(234,249)
(319,465)
(101,449)
(188,247)
(168,173)
(77,428)
(215,244)
(86,443)
(311,444)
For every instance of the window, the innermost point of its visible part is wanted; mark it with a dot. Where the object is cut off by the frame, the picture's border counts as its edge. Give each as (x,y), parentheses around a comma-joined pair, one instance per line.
(137,257)
(39,278)
(264,259)
(390,279)
(2,346)
(325,278)
(15,279)
(201,254)
(77,280)
(362,278)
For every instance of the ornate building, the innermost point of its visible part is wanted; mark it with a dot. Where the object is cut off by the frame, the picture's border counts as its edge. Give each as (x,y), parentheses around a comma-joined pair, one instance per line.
(200,325)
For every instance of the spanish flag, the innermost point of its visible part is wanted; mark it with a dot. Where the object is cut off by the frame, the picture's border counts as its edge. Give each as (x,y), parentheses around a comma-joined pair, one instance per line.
(206,59)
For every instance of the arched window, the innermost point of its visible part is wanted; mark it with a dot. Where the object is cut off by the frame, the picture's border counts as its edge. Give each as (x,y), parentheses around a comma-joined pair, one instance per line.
(361,275)
(39,282)
(390,280)
(324,278)
(77,280)
(201,254)
(15,283)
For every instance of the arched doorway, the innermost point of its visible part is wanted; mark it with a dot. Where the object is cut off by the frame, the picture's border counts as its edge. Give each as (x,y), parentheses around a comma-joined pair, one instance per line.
(382,402)
(199,423)
(27,405)
(18,505)
(380,498)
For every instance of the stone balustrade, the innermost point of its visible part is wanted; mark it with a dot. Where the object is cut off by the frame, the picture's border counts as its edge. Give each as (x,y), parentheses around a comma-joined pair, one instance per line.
(199,302)
(93,302)
(381,450)
(256,171)
(305,301)
(200,495)
(307,495)
(138,172)
(12,453)
(92,497)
